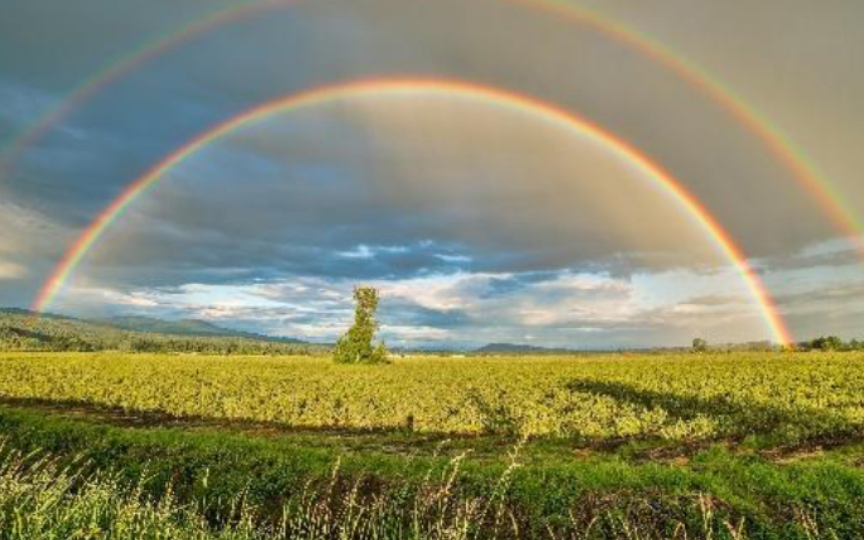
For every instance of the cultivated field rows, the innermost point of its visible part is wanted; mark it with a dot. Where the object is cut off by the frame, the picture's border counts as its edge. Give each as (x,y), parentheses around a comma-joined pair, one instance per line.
(674,397)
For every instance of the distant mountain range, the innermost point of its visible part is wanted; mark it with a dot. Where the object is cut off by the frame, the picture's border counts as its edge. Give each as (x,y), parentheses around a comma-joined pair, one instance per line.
(149,325)
(517,348)
(184,327)
(21,312)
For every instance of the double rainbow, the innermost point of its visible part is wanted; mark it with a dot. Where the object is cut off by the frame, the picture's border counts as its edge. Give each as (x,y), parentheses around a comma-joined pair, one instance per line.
(794,159)
(546,112)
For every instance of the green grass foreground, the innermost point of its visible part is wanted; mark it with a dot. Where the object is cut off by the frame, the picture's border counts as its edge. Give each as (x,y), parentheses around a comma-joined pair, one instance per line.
(83,477)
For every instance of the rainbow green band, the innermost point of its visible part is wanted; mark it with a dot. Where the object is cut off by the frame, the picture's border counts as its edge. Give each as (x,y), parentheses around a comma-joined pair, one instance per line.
(842,214)
(388,87)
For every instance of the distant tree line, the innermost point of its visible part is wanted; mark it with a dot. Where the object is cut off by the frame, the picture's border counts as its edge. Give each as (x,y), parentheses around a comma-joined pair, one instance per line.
(822,343)
(23,332)
(830,343)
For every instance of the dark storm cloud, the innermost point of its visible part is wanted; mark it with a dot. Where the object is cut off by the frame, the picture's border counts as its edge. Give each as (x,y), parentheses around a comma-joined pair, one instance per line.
(502,286)
(833,309)
(408,314)
(77,167)
(832,296)
(260,57)
(54,45)
(714,300)
(834,253)
(281,198)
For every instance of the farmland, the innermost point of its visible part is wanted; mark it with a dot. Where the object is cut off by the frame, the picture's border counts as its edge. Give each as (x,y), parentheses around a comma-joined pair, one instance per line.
(741,445)
(689,397)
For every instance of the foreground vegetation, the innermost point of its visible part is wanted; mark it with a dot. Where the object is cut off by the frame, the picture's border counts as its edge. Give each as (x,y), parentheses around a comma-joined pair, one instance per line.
(85,479)
(112,445)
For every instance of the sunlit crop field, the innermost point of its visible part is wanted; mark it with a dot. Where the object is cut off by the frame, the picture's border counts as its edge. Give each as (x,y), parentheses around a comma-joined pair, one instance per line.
(674,397)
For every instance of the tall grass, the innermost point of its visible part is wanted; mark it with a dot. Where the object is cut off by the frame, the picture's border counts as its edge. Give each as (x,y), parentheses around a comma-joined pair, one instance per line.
(39,499)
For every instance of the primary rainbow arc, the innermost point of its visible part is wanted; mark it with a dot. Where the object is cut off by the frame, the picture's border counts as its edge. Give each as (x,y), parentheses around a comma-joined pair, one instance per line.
(383,87)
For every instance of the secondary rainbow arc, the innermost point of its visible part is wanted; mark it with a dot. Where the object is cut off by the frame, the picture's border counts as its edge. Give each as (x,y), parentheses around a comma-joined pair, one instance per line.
(806,173)
(383,87)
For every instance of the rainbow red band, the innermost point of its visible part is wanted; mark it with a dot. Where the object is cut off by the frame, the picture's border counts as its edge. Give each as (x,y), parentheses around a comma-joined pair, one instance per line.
(581,126)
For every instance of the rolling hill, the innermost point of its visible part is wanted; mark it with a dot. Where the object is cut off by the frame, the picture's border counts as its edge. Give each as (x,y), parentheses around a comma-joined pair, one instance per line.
(25,330)
(184,327)
(517,348)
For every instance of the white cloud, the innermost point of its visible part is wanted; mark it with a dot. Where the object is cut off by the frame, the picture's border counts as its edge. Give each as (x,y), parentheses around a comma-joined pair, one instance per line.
(561,309)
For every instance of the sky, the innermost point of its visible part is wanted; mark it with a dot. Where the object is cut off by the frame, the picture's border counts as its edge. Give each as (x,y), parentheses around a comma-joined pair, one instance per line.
(479,221)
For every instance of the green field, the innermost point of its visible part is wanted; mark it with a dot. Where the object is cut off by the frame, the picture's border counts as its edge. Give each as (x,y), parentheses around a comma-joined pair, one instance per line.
(743,445)
(692,397)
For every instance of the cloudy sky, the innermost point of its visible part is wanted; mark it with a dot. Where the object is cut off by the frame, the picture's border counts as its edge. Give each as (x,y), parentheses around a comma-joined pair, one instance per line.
(478,222)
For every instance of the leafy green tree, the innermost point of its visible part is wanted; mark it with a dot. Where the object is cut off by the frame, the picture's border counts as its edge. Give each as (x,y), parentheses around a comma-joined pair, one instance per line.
(699,345)
(824,343)
(832,343)
(355,346)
